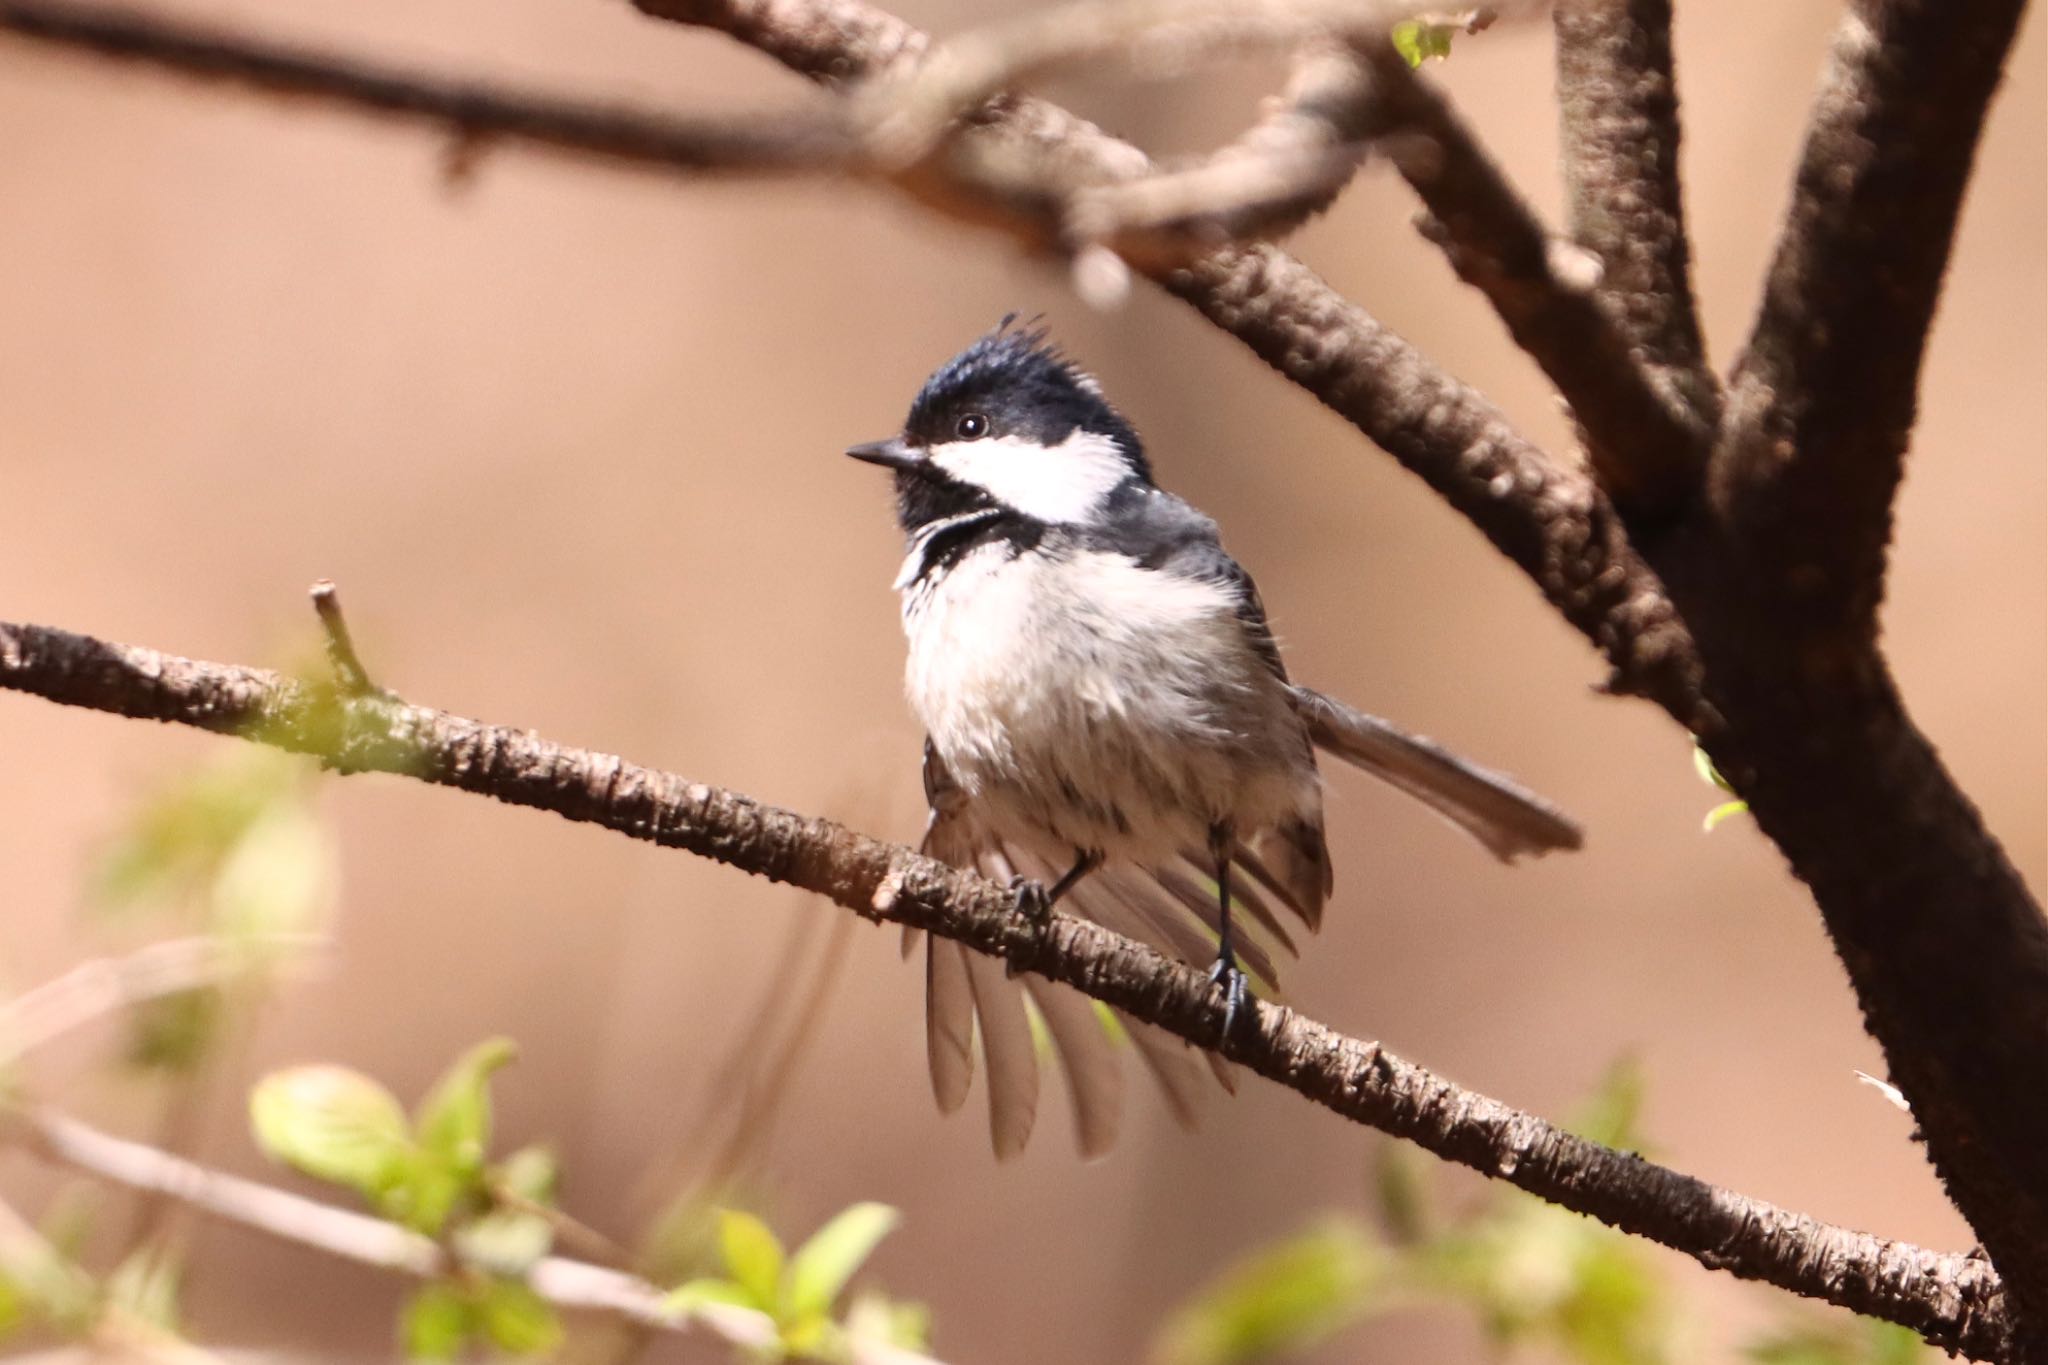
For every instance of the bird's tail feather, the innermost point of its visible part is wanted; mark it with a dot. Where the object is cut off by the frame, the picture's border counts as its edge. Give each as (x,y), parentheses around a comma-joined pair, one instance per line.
(1507,818)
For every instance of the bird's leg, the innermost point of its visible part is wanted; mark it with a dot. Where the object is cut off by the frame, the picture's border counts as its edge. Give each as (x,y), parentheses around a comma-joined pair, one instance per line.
(1236,993)
(1035,899)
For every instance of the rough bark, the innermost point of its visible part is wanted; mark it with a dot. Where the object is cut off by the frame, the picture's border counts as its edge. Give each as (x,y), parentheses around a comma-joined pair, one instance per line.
(1955,1301)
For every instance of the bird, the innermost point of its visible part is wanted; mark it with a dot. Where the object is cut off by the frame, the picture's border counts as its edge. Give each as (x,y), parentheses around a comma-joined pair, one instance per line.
(1110,729)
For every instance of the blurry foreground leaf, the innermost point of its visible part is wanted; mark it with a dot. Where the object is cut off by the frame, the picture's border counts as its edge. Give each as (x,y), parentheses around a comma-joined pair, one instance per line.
(454,1120)
(798,1291)
(332,1123)
(516,1320)
(504,1242)
(279,878)
(436,1323)
(1841,1340)
(822,1266)
(876,1317)
(1280,1300)
(688,1297)
(753,1256)
(12,1308)
(530,1173)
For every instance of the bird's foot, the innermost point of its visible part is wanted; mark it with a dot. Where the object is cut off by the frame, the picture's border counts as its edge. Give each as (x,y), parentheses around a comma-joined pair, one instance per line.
(1237,991)
(1034,903)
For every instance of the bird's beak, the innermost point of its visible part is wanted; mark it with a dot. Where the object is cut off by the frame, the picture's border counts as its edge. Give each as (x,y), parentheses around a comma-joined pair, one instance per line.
(893,453)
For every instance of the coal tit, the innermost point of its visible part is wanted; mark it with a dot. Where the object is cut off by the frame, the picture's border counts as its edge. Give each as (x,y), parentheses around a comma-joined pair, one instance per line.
(1109,724)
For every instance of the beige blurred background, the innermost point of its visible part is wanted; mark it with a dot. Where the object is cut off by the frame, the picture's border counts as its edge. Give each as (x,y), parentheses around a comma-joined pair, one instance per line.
(568,438)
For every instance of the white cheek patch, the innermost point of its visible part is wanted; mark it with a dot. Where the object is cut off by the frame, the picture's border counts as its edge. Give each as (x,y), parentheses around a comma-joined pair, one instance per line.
(1062,483)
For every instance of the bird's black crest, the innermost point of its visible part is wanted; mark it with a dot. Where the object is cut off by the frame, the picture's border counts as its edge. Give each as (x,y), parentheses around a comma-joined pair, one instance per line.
(1026,387)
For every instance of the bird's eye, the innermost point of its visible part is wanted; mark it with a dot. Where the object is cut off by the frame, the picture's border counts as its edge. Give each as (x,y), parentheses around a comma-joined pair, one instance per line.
(971,426)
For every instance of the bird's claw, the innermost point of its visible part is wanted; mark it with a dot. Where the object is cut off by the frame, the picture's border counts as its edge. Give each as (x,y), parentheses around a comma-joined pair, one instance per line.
(1034,903)
(1237,991)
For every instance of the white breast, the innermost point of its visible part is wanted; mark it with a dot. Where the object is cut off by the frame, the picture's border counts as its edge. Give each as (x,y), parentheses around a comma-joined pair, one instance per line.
(1097,703)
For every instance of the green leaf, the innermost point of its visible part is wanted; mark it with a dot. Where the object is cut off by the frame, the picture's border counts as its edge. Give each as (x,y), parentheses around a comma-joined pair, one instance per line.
(278,878)
(332,1123)
(1283,1299)
(437,1323)
(812,1337)
(504,1242)
(423,1190)
(753,1256)
(12,1309)
(174,845)
(1840,1341)
(689,1297)
(517,1320)
(530,1173)
(877,1317)
(454,1120)
(1418,40)
(823,1265)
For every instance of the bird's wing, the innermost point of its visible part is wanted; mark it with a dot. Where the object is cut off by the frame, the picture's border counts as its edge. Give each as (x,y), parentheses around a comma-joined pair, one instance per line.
(1497,811)
(1164,533)
(1507,818)
(1288,862)
(969,995)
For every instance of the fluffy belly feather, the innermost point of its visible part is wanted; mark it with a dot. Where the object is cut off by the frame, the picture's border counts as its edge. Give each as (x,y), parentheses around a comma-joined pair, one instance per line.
(1089,703)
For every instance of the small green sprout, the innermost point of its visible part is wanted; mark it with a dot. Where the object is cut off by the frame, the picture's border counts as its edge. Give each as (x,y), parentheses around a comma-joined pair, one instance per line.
(1711,775)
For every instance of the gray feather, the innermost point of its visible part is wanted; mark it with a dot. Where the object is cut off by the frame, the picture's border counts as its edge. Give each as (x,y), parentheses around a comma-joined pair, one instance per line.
(1088,1057)
(1012,1058)
(948,1022)
(1506,817)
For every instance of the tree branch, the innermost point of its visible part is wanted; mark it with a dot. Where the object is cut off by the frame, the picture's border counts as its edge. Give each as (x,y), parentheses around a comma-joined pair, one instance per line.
(1618,103)
(1550,520)
(371,1241)
(759,143)
(1823,397)
(1809,730)
(1780,577)
(1645,442)
(1954,1301)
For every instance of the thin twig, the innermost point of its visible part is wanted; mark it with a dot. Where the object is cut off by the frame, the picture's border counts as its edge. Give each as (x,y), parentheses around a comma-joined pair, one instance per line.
(762,143)
(912,108)
(1282,171)
(372,1241)
(102,986)
(1952,1300)
(349,673)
